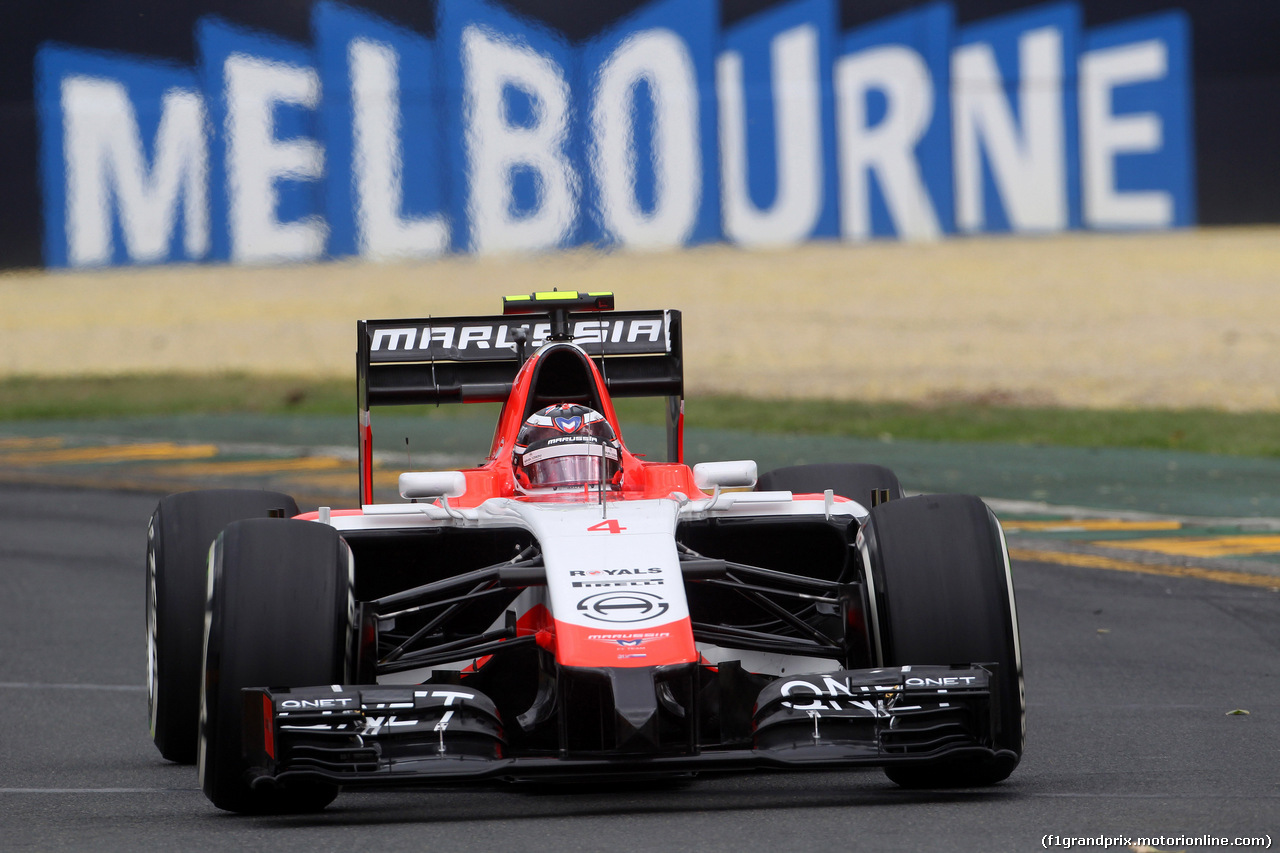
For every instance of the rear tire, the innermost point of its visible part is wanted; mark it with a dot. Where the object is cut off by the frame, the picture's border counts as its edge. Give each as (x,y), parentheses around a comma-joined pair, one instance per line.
(944,596)
(182,528)
(853,480)
(280,614)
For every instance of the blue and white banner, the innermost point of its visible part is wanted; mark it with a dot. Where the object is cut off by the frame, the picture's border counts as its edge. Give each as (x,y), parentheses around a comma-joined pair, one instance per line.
(664,130)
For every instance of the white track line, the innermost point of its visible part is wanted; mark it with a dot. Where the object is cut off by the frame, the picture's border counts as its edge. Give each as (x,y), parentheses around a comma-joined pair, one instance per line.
(31,685)
(96,790)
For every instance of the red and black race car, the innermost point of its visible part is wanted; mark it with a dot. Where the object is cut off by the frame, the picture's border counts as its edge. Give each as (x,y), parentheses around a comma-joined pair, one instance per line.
(568,609)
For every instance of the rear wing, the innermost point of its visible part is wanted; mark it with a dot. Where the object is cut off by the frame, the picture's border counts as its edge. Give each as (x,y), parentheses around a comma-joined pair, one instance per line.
(437,360)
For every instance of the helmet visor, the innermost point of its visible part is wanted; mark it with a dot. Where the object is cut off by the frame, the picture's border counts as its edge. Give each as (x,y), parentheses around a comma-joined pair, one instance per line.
(570,464)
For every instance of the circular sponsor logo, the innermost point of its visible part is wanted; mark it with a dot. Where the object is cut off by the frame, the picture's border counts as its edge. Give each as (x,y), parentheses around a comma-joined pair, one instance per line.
(623,606)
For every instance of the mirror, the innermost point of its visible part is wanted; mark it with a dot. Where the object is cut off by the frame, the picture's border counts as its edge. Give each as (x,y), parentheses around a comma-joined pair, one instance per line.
(726,475)
(432,484)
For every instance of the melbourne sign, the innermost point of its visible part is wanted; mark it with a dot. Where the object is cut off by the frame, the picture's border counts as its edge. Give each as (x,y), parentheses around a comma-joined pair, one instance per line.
(667,130)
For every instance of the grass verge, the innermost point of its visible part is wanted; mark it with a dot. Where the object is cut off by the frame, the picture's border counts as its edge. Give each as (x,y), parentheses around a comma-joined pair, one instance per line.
(1206,431)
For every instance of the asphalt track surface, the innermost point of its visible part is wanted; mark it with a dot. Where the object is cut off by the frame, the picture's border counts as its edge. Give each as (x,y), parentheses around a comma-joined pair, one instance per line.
(1130,680)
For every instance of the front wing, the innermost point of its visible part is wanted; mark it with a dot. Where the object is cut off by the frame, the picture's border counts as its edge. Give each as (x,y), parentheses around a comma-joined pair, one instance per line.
(416,734)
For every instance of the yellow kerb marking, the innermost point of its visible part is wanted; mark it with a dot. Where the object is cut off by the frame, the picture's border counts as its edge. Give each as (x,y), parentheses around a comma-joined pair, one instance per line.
(163,450)
(1090,525)
(261,466)
(1091,561)
(1206,546)
(23,442)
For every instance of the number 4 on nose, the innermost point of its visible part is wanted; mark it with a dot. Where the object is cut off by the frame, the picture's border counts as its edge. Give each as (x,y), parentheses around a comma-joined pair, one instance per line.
(609,525)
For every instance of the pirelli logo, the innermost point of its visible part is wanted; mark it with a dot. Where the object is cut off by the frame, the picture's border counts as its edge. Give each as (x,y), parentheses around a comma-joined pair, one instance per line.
(482,339)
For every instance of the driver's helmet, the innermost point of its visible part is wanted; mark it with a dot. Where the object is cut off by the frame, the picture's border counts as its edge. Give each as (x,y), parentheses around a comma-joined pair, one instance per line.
(567,446)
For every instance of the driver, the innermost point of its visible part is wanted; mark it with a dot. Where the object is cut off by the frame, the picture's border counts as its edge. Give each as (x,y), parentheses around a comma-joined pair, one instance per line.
(566,446)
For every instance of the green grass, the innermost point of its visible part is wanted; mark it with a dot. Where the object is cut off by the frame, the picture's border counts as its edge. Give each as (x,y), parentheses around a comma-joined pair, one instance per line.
(1207,431)
(1200,430)
(31,398)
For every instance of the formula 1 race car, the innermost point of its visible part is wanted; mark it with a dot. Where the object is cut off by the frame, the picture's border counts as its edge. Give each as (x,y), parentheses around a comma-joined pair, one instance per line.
(567,609)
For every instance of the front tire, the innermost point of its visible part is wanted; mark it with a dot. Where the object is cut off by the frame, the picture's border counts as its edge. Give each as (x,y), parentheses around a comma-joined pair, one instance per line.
(182,528)
(940,573)
(280,614)
(854,480)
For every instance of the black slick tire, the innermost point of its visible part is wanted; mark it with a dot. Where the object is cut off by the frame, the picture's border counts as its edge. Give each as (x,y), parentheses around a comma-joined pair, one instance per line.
(182,528)
(280,614)
(853,480)
(940,574)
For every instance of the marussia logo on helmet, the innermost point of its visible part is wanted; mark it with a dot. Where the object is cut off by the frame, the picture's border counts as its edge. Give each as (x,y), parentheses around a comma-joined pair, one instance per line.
(569,424)
(575,439)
